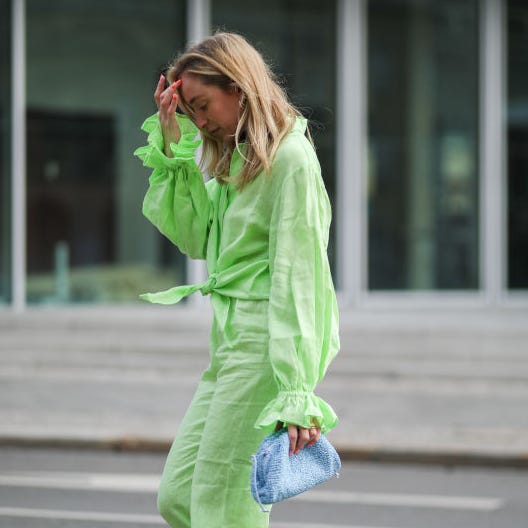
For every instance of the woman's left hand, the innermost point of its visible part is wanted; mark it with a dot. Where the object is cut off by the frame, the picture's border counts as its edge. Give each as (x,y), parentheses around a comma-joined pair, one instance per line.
(300,437)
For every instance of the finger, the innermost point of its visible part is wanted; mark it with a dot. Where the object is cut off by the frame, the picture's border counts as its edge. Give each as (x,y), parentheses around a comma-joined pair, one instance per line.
(167,95)
(179,83)
(292,434)
(159,88)
(172,88)
(303,438)
(174,103)
(166,100)
(315,435)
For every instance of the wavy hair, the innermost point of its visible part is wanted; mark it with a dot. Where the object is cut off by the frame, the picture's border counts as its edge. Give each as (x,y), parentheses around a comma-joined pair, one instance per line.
(265,116)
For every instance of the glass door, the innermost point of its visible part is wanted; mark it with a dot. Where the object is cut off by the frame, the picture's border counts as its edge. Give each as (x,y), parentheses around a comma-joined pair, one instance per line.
(517,150)
(298,39)
(423,127)
(92,67)
(5,151)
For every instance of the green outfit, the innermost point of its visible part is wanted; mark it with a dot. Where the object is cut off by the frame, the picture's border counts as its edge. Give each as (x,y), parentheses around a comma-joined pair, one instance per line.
(275,323)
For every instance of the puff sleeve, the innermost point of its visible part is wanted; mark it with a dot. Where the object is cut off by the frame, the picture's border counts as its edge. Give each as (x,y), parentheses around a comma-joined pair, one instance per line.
(176,201)
(303,316)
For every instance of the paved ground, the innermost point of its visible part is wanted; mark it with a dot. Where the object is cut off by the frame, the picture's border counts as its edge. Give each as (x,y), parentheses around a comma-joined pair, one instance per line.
(70,488)
(444,386)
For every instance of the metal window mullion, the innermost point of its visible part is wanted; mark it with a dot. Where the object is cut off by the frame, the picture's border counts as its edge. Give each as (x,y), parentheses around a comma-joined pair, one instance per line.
(198,27)
(198,20)
(493,235)
(18,156)
(351,148)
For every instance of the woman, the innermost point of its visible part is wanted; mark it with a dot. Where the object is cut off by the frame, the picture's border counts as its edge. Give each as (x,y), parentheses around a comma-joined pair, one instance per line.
(261,223)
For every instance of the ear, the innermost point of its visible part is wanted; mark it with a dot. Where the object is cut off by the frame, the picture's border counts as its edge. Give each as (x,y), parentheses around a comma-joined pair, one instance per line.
(235,90)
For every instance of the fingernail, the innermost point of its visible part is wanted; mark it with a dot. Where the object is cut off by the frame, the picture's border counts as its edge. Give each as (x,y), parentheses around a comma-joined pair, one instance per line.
(174,97)
(179,82)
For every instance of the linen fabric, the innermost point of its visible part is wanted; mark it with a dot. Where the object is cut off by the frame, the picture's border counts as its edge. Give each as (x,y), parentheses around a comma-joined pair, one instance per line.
(275,319)
(205,482)
(276,475)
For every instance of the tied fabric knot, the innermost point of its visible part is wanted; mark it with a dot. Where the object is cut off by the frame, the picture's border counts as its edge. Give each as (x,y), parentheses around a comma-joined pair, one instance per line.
(209,285)
(175,295)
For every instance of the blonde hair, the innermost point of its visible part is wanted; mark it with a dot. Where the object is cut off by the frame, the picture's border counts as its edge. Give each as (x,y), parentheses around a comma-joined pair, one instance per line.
(265,117)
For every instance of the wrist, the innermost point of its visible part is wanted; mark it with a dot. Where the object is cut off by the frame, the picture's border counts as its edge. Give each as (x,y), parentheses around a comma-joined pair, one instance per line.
(167,150)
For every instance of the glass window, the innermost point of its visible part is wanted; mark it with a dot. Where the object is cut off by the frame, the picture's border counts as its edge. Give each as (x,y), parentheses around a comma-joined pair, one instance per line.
(517,28)
(92,66)
(423,231)
(5,150)
(297,38)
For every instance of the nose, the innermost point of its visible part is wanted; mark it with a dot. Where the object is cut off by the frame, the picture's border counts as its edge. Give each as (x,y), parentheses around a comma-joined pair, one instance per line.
(201,121)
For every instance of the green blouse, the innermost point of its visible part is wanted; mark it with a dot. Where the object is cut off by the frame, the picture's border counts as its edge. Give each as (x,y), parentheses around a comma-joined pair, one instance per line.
(266,242)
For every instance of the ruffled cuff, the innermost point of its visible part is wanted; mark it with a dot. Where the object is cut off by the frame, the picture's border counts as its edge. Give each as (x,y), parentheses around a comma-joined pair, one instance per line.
(152,155)
(300,408)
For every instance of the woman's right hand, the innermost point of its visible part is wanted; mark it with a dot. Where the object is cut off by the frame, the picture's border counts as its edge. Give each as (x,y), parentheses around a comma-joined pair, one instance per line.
(167,102)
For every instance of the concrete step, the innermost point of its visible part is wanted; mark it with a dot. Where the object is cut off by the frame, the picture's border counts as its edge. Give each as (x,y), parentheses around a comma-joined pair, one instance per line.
(434,386)
(455,322)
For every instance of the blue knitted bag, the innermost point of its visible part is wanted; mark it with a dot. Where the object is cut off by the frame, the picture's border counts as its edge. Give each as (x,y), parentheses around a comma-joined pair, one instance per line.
(276,476)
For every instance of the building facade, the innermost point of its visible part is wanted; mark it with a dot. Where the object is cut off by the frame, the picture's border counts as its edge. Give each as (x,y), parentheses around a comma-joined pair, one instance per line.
(419,112)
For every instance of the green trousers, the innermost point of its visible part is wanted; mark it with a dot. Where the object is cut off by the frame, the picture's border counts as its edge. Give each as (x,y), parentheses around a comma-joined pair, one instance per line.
(206,479)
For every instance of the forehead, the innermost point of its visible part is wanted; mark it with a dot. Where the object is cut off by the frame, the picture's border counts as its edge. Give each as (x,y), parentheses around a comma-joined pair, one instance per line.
(193,88)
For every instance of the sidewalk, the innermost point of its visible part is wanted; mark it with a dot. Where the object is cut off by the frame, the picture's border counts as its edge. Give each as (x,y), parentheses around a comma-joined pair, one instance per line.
(407,386)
